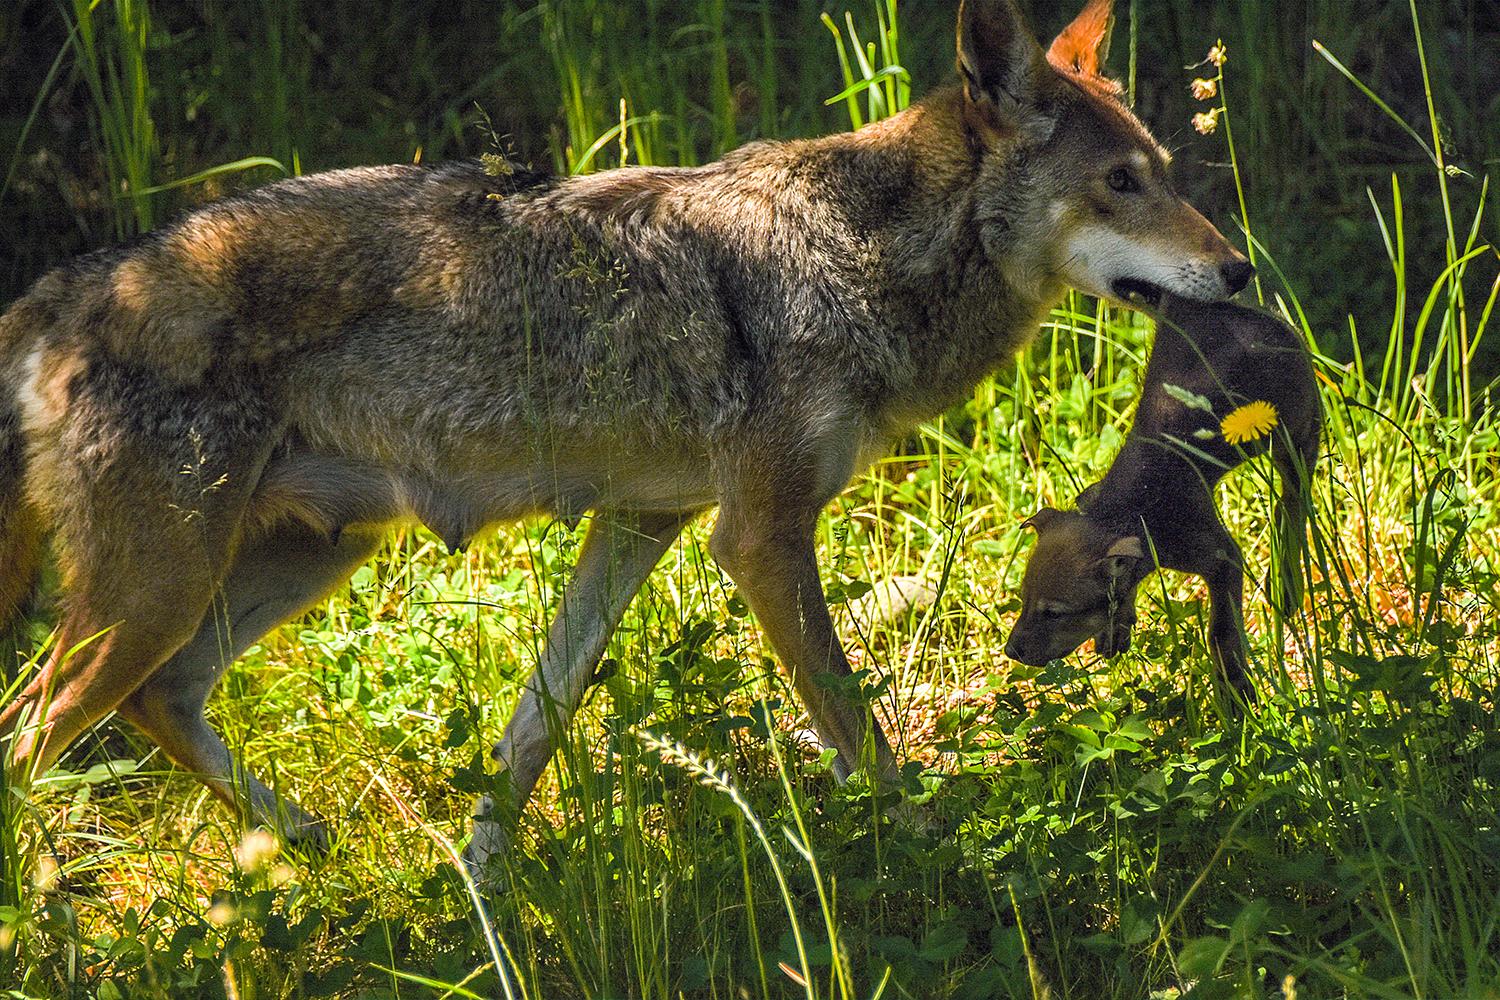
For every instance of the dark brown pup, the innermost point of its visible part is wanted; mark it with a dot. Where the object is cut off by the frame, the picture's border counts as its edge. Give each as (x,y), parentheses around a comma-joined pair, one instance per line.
(1155,506)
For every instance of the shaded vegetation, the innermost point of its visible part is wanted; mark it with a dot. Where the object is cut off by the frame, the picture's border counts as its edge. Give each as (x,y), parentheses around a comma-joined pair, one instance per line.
(317,86)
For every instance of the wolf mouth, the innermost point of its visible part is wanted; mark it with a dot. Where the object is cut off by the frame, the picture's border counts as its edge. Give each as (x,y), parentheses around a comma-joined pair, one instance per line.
(1136,290)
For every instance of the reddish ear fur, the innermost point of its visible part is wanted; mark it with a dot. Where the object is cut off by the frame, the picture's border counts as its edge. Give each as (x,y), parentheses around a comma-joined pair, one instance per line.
(1082,46)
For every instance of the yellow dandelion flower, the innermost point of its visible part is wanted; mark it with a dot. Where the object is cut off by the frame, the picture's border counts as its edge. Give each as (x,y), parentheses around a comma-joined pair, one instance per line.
(1203,89)
(1250,422)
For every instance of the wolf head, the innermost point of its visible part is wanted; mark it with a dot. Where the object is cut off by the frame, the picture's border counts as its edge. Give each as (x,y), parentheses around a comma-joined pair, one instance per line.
(1080,583)
(1062,156)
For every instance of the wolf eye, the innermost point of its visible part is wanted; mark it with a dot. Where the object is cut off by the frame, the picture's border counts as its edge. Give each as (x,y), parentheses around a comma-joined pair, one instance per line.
(1122,180)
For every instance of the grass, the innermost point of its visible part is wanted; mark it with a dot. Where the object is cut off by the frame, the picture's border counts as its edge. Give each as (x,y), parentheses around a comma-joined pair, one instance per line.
(1096,829)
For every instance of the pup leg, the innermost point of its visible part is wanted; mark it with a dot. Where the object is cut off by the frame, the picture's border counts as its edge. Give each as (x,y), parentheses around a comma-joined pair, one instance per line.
(270,581)
(619,553)
(1225,575)
(770,553)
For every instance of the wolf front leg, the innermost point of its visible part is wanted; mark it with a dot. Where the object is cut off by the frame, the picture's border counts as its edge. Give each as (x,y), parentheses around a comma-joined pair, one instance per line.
(619,552)
(768,550)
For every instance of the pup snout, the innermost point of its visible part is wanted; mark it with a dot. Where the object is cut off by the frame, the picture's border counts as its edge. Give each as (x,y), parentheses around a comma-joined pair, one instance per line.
(1024,652)
(1237,274)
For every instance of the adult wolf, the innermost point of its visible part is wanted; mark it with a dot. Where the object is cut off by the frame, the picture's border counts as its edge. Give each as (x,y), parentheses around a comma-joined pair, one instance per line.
(217,423)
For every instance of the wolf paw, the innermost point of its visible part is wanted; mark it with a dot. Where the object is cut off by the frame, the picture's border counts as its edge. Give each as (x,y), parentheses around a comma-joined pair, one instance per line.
(307,834)
(295,827)
(488,842)
(915,819)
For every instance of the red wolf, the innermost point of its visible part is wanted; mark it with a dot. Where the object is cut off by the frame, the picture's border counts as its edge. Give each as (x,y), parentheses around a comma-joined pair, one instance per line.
(217,423)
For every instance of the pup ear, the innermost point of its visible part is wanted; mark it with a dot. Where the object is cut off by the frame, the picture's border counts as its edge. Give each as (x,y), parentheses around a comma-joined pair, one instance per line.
(1121,556)
(1041,519)
(1083,46)
(998,57)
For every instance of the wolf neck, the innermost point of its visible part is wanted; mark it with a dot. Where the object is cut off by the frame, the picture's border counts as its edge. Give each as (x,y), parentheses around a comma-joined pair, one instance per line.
(963,303)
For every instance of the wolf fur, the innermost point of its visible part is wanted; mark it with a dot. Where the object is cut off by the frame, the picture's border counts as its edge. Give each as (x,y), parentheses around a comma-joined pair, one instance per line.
(217,422)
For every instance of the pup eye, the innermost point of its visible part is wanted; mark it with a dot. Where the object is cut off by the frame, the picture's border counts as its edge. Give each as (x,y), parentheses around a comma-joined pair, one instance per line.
(1053,613)
(1122,180)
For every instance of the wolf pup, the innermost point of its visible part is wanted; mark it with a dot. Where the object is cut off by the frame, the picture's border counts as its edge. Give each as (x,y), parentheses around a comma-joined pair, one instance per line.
(218,423)
(1155,505)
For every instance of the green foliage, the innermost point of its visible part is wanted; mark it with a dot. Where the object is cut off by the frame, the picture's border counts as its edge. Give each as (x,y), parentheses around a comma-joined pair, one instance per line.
(1084,829)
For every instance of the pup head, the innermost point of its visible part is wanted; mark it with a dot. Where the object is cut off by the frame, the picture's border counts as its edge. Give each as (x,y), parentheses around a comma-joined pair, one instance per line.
(1068,170)
(1080,583)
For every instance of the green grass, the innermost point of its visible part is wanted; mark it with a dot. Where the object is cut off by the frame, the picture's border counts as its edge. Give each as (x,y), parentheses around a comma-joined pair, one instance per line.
(1096,829)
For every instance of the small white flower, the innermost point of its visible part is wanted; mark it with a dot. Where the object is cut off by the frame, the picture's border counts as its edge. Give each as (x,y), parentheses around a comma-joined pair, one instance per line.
(256,850)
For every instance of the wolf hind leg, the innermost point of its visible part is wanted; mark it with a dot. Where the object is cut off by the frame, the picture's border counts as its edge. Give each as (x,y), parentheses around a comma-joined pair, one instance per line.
(145,483)
(271,580)
(20,565)
(136,593)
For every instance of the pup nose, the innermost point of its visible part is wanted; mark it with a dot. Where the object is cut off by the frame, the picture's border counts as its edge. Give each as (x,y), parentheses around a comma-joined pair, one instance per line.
(1238,274)
(1012,649)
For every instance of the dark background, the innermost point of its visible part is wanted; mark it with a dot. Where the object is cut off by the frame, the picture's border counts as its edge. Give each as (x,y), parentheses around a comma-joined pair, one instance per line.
(321,85)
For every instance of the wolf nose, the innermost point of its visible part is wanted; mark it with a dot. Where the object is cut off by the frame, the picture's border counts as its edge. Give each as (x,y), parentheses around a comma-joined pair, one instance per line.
(1237,275)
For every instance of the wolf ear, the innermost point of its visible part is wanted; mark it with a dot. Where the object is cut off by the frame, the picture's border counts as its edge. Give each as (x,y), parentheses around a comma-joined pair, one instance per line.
(1083,46)
(998,57)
